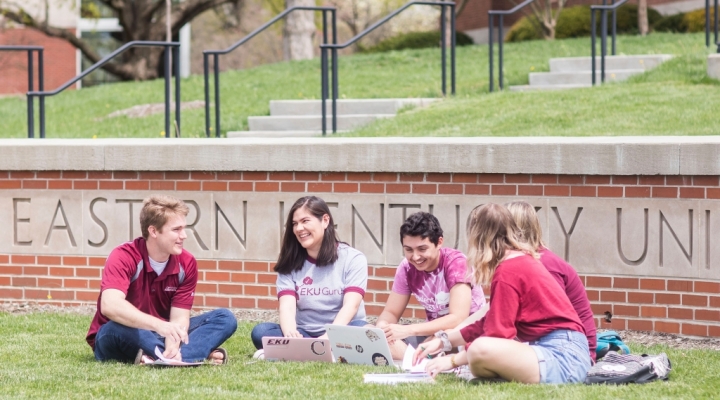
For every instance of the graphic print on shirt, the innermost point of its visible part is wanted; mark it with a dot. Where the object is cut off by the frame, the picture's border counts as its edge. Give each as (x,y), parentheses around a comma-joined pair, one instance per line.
(306,289)
(434,296)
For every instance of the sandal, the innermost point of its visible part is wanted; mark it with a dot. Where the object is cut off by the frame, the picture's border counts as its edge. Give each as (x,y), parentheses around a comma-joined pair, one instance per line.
(142,359)
(221,351)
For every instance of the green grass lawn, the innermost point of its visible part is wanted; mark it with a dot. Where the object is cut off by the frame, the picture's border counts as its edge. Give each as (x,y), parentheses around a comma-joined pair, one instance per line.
(45,356)
(675,99)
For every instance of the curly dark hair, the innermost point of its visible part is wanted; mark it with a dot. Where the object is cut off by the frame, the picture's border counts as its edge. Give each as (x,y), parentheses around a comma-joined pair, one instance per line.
(422,224)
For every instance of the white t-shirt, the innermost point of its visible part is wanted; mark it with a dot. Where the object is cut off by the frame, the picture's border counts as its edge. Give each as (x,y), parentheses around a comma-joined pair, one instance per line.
(319,290)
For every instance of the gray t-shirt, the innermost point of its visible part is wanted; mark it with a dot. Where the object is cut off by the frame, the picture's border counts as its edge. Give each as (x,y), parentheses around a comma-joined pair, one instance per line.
(319,290)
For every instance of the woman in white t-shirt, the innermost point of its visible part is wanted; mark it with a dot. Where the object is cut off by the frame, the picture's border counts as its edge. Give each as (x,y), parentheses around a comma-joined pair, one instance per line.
(321,280)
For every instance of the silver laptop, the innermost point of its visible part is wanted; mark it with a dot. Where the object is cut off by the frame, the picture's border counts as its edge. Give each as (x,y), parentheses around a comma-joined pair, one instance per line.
(359,345)
(297,349)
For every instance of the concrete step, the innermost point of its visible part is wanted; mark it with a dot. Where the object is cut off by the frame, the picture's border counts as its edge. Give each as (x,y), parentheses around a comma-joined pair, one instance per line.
(277,134)
(310,123)
(580,77)
(345,106)
(526,88)
(631,62)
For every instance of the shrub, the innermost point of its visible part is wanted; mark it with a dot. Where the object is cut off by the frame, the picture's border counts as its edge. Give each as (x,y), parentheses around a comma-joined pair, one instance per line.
(416,40)
(695,20)
(671,23)
(575,22)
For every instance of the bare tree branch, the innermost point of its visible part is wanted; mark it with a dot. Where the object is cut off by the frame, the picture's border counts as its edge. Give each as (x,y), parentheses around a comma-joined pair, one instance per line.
(21,17)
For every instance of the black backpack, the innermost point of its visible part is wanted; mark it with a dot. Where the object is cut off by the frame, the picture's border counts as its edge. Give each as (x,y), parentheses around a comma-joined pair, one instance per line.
(618,369)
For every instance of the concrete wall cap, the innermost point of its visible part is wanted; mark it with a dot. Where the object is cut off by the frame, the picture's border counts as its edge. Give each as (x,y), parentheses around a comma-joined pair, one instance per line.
(617,155)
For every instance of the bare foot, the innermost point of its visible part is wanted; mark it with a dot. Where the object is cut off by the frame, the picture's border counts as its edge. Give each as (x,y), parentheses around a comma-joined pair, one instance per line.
(217,357)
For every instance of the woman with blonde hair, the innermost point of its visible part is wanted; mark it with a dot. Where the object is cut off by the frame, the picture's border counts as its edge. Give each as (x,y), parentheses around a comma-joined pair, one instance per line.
(527,221)
(525,304)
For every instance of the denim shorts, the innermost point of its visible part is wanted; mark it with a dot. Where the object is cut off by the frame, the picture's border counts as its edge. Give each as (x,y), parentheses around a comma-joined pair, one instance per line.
(563,356)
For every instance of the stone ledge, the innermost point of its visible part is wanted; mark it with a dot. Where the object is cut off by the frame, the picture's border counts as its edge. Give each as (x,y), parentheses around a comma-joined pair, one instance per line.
(659,155)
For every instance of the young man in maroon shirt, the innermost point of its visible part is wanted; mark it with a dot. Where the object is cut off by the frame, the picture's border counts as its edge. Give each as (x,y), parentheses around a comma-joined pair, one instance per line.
(147,291)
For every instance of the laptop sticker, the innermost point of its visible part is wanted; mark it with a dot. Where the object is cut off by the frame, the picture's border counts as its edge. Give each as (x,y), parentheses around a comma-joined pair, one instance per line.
(359,349)
(372,335)
(379,360)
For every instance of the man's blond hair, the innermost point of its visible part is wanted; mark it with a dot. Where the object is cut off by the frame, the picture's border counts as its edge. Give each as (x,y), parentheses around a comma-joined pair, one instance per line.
(156,211)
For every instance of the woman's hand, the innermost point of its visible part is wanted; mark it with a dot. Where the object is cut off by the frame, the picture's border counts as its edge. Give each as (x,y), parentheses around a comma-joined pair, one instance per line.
(437,365)
(293,333)
(433,346)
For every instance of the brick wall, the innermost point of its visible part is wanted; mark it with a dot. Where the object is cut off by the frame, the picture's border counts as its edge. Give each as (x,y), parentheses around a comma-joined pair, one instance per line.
(59,58)
(685,306)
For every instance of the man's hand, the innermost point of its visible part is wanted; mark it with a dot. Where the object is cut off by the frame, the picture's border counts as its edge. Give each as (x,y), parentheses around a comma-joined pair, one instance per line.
(396,331)
(174,332)
(172,349)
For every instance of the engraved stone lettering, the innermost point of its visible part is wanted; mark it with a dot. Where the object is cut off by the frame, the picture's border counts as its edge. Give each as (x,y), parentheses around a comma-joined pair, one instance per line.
(619,240)
(131,218)
(380,244)
(65,227)
(191,227)
(404,208)
(664,221)
(241,239)
(17,220)
(567,233)
(100,223)
(707,239)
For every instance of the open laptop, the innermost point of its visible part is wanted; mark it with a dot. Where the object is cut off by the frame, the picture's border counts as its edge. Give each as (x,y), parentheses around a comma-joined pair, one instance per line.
(359,345)
(297,349)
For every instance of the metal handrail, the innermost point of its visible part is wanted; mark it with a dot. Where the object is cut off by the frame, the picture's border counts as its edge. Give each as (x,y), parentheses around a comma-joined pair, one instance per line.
(603,44)
(335,47)
(707,22)
(31,84)
(217,53)
(500,14)
(137,43)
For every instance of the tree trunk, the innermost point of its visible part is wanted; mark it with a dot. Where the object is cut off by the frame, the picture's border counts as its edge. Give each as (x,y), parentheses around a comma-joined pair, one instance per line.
(299,31)
(643,17)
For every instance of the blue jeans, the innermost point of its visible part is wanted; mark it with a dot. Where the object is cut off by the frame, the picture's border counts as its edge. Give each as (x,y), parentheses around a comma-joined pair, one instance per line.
(563,356)
(205,333)
(271,329)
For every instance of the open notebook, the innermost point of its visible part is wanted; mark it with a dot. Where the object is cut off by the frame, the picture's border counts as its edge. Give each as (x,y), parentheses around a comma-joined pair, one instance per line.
(166,362)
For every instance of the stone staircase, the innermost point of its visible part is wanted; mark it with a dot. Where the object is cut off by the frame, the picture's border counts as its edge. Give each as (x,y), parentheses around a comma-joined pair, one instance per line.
(302,118)
(576,72)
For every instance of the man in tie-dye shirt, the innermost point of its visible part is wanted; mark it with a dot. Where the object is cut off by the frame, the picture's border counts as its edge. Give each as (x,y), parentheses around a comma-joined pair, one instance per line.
(438,278)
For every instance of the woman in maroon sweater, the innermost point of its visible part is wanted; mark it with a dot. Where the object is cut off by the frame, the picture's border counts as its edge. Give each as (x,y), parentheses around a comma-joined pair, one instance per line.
(527,221)
(525,304)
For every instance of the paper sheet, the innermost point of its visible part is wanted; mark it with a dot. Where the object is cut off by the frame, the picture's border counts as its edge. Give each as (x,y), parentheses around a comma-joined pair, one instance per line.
(408,359)
(167,362)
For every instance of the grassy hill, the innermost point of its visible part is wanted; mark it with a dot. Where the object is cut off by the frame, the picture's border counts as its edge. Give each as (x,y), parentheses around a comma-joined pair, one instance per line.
(675,99)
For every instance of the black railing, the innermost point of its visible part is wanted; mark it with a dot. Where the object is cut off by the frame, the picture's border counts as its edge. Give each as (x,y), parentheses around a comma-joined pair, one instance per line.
(138,43)
(707,22)
(217,53)
(333,48)
(31,84)
(500,14)
(603,37)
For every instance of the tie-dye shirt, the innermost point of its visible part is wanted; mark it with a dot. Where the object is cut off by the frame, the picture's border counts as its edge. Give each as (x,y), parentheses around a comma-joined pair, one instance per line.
(432,289)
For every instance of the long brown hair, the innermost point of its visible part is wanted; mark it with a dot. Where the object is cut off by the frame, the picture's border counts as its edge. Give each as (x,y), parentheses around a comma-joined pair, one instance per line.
(527,221)
(491,231)
(292,254)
